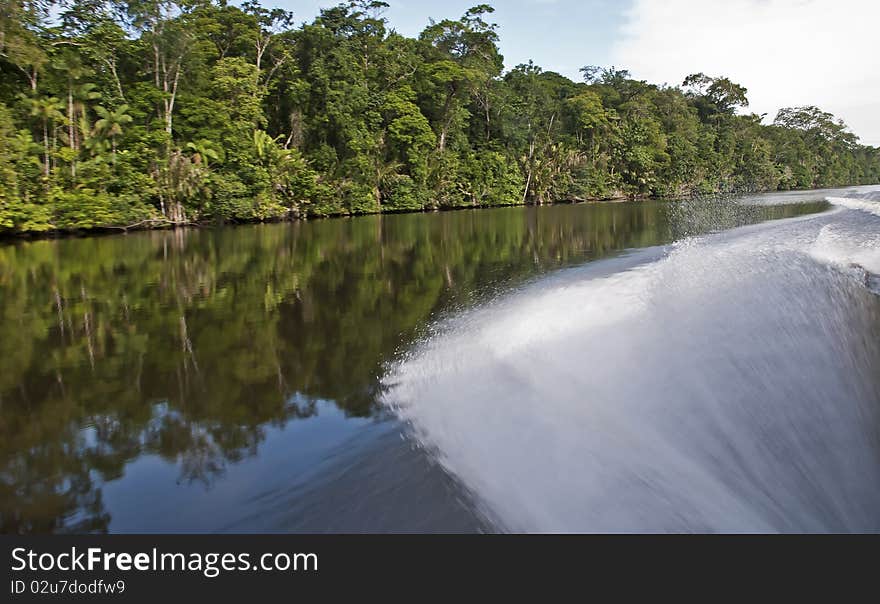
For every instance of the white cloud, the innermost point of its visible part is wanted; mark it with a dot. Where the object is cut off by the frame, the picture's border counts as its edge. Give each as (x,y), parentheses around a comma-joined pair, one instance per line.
(786,52)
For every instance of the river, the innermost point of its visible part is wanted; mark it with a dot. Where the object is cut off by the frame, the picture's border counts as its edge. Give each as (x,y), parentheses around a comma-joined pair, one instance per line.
(652,366)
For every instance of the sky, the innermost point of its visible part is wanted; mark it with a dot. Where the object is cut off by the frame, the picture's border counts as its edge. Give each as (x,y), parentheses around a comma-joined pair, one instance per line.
(786,52)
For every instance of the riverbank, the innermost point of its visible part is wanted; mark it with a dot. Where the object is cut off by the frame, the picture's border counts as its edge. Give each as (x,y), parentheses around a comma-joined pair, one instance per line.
(160,223)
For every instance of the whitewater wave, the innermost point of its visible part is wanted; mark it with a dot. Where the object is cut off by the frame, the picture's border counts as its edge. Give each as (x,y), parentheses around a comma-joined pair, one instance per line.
(840,248)
(727,383)
(865,205)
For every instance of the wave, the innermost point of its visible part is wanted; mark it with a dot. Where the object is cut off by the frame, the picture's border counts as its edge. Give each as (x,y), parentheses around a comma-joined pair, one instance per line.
(727,383)
(853,245)
(869,205)
(840,248)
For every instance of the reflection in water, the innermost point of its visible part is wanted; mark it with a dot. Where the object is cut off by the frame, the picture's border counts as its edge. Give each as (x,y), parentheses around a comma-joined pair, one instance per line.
(193,349)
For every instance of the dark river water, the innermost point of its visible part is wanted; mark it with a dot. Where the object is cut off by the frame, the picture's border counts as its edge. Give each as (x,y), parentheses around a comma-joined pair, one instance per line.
(658,366)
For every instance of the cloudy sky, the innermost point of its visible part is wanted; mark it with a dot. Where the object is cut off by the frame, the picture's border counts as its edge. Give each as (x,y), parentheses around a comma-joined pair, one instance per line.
(786,52)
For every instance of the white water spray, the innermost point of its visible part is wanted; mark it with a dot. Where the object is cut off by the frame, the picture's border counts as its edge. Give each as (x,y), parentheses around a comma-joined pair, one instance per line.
(733,384)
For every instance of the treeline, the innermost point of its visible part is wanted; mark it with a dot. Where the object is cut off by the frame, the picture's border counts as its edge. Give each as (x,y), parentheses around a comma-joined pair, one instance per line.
(167,112)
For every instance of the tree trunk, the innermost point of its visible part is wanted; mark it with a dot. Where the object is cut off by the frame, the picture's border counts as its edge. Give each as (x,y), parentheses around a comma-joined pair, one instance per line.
(71,133)
(446,119)
(46,147)
(112,65)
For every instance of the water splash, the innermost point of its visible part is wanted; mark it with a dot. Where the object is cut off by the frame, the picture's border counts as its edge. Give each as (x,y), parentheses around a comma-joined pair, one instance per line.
(728,383)
(868,204)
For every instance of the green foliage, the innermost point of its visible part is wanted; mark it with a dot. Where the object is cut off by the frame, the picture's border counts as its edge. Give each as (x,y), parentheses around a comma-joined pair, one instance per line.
(171,112)
(87,209)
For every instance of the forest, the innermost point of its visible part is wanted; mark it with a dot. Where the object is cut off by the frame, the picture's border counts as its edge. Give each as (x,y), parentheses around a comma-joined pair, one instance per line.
(153,113)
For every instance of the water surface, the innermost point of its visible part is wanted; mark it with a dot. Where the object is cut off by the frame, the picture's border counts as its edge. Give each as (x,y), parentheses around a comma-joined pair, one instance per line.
(632,366)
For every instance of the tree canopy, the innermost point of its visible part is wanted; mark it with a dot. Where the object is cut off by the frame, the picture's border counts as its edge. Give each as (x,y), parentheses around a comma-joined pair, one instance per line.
(153,112)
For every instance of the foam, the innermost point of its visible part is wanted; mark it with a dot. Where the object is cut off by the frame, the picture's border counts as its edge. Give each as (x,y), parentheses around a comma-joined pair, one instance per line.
(846,250)
(864,205)
(729,385)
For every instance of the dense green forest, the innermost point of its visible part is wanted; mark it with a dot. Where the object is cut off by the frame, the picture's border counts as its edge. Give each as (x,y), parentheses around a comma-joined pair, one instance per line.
(156,112)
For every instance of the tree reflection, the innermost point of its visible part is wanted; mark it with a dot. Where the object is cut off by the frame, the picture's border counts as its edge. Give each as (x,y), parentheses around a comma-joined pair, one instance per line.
(188,345)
